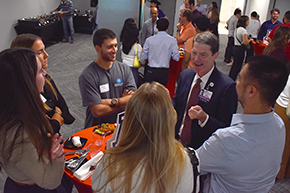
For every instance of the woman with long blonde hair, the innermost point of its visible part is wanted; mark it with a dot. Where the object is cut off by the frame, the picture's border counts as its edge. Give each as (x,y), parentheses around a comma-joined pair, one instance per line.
(147,157)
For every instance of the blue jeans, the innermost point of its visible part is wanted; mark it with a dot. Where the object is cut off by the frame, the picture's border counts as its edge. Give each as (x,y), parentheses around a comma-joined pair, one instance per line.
(96,28)
(135,74)
(67,21)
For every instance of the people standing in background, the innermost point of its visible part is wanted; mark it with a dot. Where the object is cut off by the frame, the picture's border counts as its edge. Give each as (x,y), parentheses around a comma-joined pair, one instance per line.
(149,27)
(286,22)
(232,24)
(146,10)
(30,152)
(246,156)
(94,19)
(185,5)
(55,105)
(213,15)
(202,24)
(278,43)
(185,29)
(200,7)
(158,50)
(147,157)
(252,29)
(213,106)
(241,38)
(66,11)
(253,26)
(195,12)
(156,3)
(130,47)
(267,26)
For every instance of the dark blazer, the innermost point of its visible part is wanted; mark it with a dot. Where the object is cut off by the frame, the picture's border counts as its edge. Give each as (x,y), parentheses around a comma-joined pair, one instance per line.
(52,101)
(220,108)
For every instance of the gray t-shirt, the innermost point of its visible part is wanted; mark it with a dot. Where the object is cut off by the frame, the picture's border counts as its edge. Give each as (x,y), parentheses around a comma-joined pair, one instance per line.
(97,83)
(232,25)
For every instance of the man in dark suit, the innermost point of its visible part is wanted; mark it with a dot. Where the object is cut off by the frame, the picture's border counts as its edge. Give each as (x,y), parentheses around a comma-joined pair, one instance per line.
(216,100)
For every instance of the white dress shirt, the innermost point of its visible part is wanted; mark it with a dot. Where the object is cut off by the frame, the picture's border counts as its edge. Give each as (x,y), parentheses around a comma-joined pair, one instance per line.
(159,49)
(203,82)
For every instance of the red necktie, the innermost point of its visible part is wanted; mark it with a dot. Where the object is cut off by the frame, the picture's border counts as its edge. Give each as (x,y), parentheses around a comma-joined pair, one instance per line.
(192,101)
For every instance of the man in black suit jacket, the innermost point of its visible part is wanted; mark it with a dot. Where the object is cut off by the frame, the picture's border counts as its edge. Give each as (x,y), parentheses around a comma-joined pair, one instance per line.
(218,97)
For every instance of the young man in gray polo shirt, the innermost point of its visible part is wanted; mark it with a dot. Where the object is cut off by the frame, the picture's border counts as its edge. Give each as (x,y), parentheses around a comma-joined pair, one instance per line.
(106,85)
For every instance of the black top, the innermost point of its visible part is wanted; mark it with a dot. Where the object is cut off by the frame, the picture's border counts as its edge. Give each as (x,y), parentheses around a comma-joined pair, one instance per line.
(52,102)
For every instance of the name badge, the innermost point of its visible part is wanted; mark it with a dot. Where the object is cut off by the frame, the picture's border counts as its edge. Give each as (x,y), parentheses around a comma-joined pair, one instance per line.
(205,95)
(104,88)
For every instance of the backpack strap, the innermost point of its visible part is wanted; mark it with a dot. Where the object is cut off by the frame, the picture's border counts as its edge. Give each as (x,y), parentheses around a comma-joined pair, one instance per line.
(237,37)
(195,163)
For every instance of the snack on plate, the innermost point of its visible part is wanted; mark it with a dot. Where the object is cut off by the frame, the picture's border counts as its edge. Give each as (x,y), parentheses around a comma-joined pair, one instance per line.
(105,129)
(76,140)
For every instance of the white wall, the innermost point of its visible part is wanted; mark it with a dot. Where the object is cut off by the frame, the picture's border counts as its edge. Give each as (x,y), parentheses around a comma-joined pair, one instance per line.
(168,7)
(12,10)
(113,13)
(228,7)
(83,5)
(176,17)
(263,11)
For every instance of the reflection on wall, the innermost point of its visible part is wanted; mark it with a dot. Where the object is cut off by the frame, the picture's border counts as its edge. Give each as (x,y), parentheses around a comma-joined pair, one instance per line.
(113,13)
(141,18)
(168,7)
(94,3)
(228,7)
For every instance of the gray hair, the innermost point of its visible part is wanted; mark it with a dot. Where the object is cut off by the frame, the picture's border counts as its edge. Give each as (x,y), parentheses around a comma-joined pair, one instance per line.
(208,38)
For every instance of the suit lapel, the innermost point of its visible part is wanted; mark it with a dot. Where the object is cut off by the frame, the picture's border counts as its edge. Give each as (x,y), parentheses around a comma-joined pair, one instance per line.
(211,81)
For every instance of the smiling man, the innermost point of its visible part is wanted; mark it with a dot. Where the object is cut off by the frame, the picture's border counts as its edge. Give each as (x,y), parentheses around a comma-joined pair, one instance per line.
(149,28)
(268,25)
(210,94)
(106,85)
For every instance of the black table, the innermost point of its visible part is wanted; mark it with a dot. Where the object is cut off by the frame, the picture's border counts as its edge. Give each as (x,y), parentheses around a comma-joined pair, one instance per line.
(50,33)
(82,25)
(53,32)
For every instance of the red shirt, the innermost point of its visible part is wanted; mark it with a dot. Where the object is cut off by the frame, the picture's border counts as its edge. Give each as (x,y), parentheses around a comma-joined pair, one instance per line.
(287,48)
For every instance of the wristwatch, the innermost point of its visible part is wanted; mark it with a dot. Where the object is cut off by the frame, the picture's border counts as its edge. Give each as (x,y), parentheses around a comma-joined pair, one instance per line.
(115,102)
